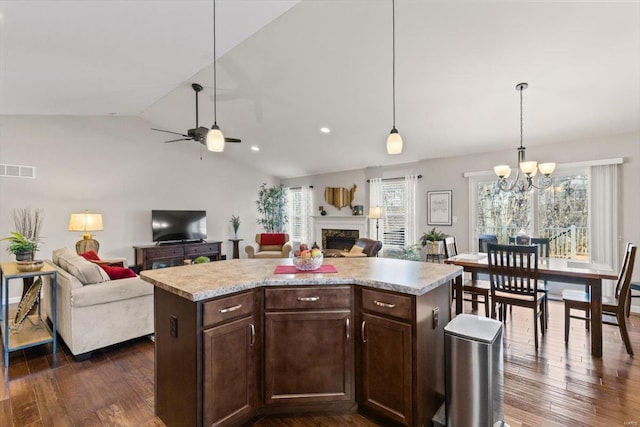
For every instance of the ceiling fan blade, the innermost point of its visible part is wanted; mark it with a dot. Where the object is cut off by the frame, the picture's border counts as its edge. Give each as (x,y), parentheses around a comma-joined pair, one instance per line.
(168,131)
(181,139)
(232,140)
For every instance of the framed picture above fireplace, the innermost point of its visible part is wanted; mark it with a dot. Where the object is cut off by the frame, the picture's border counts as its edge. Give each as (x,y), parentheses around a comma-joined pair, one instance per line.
(439,207)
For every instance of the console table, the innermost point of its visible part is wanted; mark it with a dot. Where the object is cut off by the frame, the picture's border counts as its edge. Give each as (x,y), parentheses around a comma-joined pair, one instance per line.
(31,333)
(170,255)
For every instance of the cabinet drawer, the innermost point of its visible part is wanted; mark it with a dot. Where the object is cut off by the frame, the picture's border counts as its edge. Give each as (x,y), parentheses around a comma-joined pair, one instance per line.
(227,308)
(387,303)
(307,298)
(201,249)
(164,252)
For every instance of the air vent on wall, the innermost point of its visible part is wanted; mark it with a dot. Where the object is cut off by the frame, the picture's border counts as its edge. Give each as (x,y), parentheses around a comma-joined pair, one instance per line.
(17,171)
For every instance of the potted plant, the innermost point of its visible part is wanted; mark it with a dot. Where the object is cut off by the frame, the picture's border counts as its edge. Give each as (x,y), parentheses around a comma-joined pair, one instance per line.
(271,203)
(235,223)
(201,260)
(20,246)
(411,253)
(433,241)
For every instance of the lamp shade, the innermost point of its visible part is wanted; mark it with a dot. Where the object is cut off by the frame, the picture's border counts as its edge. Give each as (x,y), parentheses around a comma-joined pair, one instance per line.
(86,222)
(375,213)
(529,168)
(394,142)
(215,139)
(503,171)
(547,169)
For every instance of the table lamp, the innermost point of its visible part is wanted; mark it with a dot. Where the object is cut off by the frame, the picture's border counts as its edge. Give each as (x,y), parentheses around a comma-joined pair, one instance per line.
(376,213)
(86,222)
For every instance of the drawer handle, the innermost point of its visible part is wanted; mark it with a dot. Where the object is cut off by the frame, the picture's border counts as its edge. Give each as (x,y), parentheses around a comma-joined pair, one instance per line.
(230,309)
(384,304)
(252,328)
(308,299)
(364,340)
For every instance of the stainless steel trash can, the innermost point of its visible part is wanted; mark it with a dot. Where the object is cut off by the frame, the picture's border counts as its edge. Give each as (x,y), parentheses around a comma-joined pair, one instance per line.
(473,372)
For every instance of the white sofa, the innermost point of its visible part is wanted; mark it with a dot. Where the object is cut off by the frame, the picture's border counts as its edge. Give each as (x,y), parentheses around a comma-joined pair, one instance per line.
(93,311)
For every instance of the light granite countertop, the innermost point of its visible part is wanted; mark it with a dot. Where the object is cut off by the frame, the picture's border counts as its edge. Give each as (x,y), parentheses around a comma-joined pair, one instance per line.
(202,281)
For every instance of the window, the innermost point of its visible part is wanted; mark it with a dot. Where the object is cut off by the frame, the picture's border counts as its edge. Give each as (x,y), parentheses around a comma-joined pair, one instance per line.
(560,213)
(299,204)
(393,203)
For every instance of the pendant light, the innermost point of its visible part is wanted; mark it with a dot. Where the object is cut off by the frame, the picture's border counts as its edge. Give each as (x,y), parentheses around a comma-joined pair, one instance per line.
(525,182)
(215,138)
(394,141)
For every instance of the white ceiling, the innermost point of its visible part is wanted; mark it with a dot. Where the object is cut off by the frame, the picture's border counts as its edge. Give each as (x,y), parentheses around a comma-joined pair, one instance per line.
(286,68)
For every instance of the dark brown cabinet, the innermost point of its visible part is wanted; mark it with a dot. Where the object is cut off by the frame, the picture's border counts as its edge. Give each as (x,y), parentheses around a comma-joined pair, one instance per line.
(400,354)
(230,373)
(308,346)
(159,256)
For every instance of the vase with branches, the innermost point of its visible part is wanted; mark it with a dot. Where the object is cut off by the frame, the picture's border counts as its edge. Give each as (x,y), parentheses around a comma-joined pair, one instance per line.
(235,223)
(23,242)
(271,204)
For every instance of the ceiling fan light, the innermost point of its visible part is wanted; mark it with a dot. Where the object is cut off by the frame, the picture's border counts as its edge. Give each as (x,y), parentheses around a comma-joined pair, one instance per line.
(547,169)
(394,142)
(215,139)
(502,171)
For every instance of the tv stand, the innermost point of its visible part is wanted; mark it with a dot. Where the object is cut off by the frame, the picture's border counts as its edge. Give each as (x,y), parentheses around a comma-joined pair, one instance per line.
(173,254)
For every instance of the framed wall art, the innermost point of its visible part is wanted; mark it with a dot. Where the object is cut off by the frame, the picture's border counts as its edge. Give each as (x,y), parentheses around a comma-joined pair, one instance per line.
(439,207)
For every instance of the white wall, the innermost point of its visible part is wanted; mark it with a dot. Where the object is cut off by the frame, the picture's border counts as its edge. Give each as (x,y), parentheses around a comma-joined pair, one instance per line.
(118,167)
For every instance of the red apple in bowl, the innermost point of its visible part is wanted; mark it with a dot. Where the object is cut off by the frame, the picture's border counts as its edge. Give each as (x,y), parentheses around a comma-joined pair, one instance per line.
(304,247)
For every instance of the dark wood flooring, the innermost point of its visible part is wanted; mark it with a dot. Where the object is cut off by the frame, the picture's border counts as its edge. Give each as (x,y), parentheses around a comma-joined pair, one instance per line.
(555,386)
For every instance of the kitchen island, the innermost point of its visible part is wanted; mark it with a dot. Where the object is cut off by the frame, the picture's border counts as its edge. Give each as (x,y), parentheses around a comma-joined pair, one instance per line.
(234,340)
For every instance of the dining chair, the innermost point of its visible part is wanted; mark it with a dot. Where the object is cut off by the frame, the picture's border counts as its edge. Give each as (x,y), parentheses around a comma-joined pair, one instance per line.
(484,240)
(474,288)
(544,250)
(513,276)
(615,306)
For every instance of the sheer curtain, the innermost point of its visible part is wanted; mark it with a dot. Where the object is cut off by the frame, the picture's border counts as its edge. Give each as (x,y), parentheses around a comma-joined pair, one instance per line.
(305,214)
(603,222)
(375,199)
(411,222)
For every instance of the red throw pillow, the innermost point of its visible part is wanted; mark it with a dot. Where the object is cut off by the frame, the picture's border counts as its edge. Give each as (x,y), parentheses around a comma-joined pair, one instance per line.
(272,239)
(116,273)
(90,256)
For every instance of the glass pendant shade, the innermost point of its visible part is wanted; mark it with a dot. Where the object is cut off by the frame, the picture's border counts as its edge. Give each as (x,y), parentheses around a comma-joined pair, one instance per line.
(215,139)
(529,168)
(547,169)
(394,142)
(502,171)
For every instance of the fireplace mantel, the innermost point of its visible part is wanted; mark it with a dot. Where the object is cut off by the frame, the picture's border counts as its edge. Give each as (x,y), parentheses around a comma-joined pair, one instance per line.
(355,222)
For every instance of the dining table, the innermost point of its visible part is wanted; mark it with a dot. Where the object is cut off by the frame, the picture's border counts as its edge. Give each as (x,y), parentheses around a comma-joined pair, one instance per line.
(551,269)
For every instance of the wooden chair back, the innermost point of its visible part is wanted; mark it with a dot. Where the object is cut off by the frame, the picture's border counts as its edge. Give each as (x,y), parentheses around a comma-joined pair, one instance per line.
(484,240)
(450,248)
(623,287)
(543,243)
(513,269)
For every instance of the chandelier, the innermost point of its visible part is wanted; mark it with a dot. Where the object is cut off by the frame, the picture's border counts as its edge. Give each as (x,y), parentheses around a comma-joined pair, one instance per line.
(525,182)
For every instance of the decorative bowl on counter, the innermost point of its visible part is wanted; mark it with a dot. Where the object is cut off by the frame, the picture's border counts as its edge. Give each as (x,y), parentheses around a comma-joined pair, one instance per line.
(29,266)
(308,263)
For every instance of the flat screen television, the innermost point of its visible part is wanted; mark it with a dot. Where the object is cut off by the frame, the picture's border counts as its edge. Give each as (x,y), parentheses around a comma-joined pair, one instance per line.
(178,226)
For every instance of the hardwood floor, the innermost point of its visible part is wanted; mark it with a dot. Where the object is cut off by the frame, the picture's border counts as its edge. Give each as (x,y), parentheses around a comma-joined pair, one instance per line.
(557,386)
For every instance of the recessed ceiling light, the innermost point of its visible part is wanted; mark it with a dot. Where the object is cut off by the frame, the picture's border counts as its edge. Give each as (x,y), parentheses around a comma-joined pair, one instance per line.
(255,148)
(325,129)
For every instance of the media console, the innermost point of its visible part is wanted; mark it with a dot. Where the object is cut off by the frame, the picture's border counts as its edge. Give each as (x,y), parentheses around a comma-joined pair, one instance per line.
(149,257)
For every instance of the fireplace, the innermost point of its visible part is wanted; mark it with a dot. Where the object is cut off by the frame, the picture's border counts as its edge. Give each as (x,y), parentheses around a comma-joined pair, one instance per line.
(339,239)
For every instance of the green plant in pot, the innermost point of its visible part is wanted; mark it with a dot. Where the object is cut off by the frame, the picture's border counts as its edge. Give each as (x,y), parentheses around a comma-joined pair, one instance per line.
(201,260)
(20,246)
(432,240)
(235,223)
(271,204)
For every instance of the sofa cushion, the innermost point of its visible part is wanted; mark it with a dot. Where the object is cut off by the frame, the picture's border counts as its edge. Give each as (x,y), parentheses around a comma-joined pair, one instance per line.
(272,239)
(114,272)
(86,272)
(268,254)
(355,249)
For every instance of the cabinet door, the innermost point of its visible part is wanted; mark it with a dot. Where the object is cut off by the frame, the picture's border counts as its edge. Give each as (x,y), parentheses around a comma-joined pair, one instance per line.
(385,383)
(308,357)
(230,373)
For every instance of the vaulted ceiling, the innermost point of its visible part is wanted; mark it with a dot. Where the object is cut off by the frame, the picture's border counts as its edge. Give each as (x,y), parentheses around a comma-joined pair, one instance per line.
(287,68)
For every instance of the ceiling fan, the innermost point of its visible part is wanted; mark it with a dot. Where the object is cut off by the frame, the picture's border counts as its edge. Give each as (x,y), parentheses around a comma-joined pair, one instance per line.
(199,133)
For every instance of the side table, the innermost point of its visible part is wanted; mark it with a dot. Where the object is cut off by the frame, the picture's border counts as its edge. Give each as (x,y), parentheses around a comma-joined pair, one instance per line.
(28,335)
(236,247)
